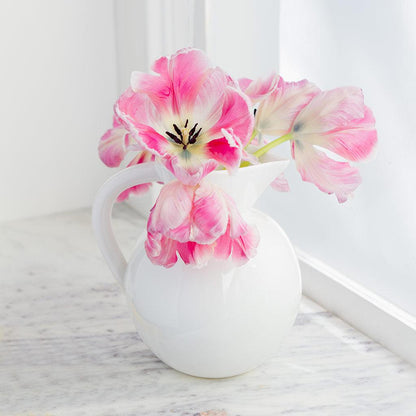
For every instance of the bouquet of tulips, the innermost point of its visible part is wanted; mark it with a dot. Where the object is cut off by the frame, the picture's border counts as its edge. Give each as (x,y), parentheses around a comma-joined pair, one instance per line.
(194,118)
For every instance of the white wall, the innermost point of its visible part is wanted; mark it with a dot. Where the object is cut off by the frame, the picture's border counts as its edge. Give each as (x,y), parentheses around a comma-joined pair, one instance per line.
(242,36)
(58,84)
(371,44)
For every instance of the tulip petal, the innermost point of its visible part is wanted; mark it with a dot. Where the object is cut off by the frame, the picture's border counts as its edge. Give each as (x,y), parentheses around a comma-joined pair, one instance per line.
(171,213)
(161,250)
(190,171)
(339,121)
(280,184)
(236,116)
(209,214)
(179,77)
(207,108)
(245,246)
(224,246)
(187,69)
(195,254)
(276,114)
(141,157)
(111,147)
(130,109)
(227,150)
(328,175)
(259,89)
(237,224)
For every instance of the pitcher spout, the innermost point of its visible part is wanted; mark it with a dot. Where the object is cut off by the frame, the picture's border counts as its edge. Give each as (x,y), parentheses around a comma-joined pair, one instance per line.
(248,184)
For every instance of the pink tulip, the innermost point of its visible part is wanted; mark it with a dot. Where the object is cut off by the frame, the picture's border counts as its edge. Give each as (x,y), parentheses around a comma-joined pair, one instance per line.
(339,121)
(114,146)
(198,223)
(278,110)
(336,120)
(259,89)
(190,114)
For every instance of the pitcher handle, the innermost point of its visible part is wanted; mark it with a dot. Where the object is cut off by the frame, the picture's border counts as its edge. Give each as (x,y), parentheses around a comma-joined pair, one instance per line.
(103,205)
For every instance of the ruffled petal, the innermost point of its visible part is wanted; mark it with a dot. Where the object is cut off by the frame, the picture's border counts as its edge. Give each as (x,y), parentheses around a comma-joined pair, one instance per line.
(153,87)
(153,141)
(190,171)
(223,246)
(209,214)
(171,214)
(177,83)
(187,69)
(227,150)
(259,89)
(135,190)
(244,247)
(130,109)
(141,189)
(328,175)
(161,250)
(339,121)
(237,224)
(276,114)
(195,254)
(112,146)
(236,115)
(207,108)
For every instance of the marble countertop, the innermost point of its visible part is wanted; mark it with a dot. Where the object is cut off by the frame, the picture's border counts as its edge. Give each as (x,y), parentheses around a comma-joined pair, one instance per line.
(68,346)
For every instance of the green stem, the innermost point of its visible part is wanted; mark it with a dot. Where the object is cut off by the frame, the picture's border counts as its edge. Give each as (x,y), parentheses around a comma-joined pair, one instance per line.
(253,135)
(274,143)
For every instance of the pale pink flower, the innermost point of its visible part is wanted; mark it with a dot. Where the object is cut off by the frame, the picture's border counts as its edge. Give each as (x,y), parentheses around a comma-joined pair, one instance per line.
(113,148)
(339,121)
(190,114)
(336,120)
(197,222)
(278,110)
(260,88)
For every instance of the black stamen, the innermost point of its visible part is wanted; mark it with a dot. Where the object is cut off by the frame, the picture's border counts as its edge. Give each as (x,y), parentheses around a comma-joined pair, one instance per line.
(178,130)
(186,124)
(173,137)
(255,111)
(192,130)
(192,139)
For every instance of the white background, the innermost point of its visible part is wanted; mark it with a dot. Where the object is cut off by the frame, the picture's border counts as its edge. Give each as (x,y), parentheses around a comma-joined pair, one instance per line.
(371,44)
(65,62)
(58,84)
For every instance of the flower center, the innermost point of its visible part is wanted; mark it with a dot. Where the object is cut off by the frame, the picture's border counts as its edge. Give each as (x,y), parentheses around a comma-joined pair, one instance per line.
(184,136)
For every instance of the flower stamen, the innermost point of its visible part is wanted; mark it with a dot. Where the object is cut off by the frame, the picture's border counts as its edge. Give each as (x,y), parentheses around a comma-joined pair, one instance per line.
(192,139)
(178,131)
(180,136)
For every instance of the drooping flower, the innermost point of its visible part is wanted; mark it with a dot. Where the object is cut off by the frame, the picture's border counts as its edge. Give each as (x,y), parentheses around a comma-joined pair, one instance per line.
(198,223)
(277,111)
(260,88)
(189,114)
(337,120)
(113,148)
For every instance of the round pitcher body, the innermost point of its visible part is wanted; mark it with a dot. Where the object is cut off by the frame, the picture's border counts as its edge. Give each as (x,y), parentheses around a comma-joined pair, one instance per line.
(220,320)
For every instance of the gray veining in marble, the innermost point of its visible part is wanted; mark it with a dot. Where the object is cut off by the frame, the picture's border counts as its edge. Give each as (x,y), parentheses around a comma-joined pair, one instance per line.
(68,346)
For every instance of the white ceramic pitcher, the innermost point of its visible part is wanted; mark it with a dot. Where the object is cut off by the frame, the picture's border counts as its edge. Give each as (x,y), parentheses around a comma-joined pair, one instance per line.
(220,320)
